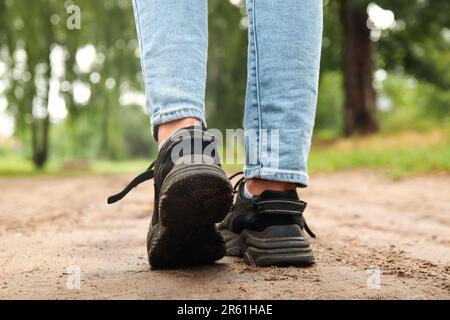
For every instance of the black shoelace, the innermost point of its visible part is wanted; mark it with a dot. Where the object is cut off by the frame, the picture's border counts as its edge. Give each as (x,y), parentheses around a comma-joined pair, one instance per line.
(144,176)
(303,225)
(148,175)
(238,183)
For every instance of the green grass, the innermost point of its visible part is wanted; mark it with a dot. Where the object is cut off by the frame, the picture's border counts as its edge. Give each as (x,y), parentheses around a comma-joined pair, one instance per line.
(12,167)
(397,162)
(399,155)
(15,166)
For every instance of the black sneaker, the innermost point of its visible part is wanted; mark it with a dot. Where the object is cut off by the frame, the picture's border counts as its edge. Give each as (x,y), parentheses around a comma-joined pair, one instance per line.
(192,193)
(267,230)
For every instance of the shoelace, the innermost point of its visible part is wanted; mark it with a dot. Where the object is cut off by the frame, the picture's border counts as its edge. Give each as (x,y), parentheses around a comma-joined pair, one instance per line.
(307,229)
(144,176)
(242,179)
(238,183)
(150,174)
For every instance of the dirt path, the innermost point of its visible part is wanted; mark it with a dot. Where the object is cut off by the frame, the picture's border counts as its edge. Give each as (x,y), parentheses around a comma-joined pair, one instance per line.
(362,219)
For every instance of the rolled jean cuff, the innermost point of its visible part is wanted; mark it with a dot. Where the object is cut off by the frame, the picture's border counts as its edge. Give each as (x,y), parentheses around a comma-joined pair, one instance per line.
(275,174)
(175,114)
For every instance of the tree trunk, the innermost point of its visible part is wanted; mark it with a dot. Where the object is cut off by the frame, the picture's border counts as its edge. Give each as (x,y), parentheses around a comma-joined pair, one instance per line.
(360,111)
(39,135)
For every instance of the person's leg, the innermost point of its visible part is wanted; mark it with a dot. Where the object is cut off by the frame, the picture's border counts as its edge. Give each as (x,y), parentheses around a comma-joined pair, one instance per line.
(283,69)
(191,191)
(173,36)
(266,224)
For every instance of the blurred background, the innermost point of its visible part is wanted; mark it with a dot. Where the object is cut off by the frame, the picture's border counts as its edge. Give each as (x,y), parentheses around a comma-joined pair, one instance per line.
(72,96)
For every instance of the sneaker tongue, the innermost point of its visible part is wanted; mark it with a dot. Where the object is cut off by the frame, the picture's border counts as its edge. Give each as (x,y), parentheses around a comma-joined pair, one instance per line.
(271,194)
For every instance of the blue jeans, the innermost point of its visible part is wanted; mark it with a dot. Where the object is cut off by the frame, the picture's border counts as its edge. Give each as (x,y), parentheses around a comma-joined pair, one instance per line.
(283,71)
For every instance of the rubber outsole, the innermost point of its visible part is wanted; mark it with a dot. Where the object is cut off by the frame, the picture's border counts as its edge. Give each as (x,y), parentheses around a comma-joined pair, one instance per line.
(194,197)
(275,246)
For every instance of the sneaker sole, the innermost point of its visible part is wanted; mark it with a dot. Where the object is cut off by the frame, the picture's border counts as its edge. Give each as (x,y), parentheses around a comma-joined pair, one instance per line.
(194,197)
(275,246)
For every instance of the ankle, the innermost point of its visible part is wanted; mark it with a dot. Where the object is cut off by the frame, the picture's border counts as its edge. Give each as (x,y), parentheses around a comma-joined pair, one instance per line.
(258,186)
(165,130)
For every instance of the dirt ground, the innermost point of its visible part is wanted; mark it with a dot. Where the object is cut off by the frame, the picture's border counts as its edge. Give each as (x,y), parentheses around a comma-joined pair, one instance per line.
(364,221)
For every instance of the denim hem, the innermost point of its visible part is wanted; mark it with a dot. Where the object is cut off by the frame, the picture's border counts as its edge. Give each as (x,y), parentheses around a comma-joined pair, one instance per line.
(300,178)
(175,114)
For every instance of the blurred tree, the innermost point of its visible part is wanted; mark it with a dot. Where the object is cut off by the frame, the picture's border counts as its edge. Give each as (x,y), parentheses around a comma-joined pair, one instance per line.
(116,64)
(360,112)
(31,31)
(30,67)
(227,63)
(417,44)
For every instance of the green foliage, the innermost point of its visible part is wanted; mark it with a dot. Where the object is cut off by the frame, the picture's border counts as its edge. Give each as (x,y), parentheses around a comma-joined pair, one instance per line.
(329,120)
(396,162)
(419,44)
(415,55)
(332,41)
(413,104)
(227,65)
(101,128)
